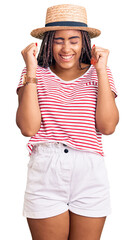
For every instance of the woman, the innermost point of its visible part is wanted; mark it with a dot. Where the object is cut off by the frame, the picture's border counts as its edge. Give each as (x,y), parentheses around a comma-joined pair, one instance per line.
(66,102)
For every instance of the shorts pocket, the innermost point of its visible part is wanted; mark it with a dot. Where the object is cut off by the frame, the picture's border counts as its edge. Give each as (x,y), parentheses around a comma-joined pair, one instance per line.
(39,161)
(38,170)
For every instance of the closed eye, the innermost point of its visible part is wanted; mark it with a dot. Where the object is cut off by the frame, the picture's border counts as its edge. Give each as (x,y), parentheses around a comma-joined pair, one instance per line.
(58,42)
(74,42)
(62,42)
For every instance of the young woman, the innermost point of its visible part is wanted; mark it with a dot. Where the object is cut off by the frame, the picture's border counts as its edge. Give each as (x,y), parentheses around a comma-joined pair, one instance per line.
(66,102)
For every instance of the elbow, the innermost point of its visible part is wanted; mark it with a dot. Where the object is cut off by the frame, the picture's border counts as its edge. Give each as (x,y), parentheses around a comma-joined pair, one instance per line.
(106,129)
(29,132)
(28,129)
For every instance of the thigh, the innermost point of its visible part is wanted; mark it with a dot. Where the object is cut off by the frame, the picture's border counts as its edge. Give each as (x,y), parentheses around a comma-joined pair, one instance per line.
(85,227)
(56,227)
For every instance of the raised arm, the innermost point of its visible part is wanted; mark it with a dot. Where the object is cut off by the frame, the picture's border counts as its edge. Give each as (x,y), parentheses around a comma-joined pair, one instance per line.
(107,115)
(28,116)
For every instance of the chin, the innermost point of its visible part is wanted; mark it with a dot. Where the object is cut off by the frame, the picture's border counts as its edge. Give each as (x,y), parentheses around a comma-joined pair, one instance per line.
(67,65)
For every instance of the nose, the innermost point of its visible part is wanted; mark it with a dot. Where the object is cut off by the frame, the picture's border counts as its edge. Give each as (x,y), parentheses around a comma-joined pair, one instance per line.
(66,47)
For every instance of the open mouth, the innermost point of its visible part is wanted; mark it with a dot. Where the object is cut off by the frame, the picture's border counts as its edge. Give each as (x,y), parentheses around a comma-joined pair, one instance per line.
(66,57)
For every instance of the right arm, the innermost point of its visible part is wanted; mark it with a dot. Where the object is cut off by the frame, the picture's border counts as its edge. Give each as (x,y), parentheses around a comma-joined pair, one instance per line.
(28,116)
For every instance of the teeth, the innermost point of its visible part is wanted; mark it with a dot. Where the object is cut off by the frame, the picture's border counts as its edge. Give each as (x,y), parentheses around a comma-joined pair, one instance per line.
(67,57)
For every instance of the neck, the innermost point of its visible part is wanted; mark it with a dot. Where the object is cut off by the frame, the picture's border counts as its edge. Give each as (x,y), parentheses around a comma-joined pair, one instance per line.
(70,73)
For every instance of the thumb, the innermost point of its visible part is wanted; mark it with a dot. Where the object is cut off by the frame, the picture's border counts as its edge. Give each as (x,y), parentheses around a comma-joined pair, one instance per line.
(35,49)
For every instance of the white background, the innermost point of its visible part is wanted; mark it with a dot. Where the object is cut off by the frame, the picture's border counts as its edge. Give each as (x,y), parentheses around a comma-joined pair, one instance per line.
(116,21)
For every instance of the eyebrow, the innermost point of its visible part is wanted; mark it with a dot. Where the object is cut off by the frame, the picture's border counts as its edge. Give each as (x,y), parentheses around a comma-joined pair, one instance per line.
(60,38)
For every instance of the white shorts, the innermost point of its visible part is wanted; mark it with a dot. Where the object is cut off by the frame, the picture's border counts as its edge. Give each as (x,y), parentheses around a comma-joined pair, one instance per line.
(61,178)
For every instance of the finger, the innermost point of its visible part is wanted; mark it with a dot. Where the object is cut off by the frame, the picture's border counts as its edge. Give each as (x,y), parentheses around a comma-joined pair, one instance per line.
(93,61)
(29,47)
(35,50)
(99,54)
(102,51)
(93,53)
(93,56)
(98,47)
(97,51)
(32,50)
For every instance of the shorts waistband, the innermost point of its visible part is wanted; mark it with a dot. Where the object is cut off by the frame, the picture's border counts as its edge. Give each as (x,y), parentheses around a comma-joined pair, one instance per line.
(54,147)
(50,147)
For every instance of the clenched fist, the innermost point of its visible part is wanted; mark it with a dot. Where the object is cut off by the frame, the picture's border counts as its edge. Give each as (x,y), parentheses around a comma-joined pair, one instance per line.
(99,57)
(29,56)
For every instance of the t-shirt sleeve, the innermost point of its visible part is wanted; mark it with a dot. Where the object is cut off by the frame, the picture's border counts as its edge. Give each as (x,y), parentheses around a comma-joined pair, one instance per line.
(111,81)
(21,80)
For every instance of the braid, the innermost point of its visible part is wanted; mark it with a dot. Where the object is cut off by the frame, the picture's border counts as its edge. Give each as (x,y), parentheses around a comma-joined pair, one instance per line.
(86,49)
(45,51)
(45,56)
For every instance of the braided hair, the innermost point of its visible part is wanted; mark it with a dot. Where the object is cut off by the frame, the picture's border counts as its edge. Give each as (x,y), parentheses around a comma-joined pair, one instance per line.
(45,57)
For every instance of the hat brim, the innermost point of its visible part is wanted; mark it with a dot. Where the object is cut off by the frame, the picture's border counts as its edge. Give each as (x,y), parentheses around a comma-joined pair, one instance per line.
(39,32)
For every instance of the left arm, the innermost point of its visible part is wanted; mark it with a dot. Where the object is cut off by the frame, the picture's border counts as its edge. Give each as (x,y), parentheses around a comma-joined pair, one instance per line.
(107,115)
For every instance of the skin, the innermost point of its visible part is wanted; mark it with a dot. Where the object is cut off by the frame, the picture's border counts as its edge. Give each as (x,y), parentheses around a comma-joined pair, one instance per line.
(66,50)
(66,44)
(28,116)
(107,115)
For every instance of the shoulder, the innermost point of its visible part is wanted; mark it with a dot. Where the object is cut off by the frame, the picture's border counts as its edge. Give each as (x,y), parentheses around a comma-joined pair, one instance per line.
(41,71)
(93,69)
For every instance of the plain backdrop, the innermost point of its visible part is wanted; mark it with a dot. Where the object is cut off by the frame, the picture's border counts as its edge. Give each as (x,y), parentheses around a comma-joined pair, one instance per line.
(116,21)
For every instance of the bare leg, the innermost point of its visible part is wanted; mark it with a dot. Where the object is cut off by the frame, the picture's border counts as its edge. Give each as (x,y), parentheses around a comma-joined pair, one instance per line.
(85,228)
(50,228)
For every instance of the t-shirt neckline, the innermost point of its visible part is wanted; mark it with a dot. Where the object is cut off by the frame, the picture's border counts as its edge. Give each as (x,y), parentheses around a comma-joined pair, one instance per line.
(69,81)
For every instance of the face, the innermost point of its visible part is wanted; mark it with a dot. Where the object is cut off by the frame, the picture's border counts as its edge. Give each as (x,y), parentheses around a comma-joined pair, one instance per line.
(67,46)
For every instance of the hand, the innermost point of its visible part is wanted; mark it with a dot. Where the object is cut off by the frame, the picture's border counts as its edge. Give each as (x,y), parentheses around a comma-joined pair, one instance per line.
(99,57)
(29,56)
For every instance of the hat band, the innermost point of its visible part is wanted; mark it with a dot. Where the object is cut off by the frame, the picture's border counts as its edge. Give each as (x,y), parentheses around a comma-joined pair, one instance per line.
(66,24)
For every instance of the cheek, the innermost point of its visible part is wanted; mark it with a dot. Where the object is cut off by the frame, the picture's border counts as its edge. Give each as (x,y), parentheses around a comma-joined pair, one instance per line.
(78,50)
(55,50)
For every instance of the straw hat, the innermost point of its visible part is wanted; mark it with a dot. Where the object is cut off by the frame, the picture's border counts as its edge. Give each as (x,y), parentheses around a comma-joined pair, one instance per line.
(63,17)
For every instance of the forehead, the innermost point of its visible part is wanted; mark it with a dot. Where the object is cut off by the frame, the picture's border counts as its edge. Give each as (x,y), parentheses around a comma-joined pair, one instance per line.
(67,33)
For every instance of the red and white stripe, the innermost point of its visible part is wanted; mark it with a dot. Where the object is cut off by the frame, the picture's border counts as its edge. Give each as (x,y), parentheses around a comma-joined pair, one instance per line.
(68,110)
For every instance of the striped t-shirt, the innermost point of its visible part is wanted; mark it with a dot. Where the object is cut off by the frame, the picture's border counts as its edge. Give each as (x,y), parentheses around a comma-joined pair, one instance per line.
(68,110)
